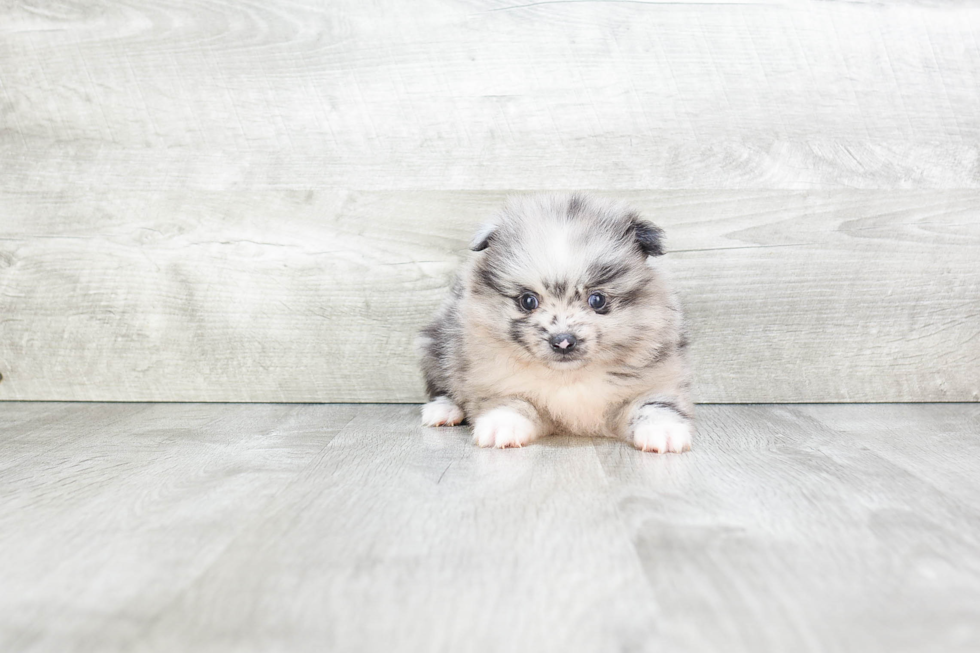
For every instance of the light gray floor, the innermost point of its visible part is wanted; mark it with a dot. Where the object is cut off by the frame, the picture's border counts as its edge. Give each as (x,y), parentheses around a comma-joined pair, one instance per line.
(190,527)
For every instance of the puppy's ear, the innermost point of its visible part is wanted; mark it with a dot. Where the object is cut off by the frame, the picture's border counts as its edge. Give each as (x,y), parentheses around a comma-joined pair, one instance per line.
(482,238)
(648,236)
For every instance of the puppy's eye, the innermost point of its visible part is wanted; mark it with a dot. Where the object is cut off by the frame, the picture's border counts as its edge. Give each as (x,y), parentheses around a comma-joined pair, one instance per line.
(597,300)
(528,301)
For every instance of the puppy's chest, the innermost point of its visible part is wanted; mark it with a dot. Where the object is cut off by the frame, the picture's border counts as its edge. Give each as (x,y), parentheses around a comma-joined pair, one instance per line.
(579,407)
(578,404)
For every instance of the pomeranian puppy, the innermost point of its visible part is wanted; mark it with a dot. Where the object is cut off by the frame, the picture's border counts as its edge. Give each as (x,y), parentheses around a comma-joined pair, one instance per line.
(561,322)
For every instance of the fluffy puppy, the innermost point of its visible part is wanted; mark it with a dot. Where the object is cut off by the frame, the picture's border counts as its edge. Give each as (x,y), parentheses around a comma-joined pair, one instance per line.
(561,322)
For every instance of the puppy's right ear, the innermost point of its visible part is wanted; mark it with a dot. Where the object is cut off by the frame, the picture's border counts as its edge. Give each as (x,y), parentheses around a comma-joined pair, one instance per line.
(482,238)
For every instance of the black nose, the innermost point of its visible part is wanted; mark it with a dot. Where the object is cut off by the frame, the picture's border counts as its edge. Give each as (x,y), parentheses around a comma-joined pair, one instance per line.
(563,343)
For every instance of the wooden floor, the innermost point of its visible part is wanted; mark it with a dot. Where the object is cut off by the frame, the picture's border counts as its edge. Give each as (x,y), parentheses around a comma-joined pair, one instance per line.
(211,527)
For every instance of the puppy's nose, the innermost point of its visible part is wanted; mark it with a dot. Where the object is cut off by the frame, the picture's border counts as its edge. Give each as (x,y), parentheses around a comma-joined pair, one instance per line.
(563,343)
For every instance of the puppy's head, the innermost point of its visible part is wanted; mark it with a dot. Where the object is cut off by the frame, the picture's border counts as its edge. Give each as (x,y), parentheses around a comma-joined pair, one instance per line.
(564,280)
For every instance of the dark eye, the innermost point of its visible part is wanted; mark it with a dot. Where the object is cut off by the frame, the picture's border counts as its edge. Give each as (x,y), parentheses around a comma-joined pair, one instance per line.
(597,300)
(528,301)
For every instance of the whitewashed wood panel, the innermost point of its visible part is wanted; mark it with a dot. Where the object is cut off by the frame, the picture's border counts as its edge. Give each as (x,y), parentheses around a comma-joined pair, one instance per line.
(184,527)
(289,296)
(227,201)
(789,533)
(457,94)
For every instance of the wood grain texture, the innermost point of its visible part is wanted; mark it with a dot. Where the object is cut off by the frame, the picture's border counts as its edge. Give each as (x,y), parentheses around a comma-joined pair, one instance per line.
(261,202)
(457,94)
(791,296)
(270,527)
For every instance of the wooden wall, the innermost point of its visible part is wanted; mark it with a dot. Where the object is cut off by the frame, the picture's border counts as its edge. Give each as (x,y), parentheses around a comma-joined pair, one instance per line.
(244,201)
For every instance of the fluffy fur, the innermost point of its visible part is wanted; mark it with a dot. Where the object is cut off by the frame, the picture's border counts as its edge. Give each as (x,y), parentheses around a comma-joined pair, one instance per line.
(506,362)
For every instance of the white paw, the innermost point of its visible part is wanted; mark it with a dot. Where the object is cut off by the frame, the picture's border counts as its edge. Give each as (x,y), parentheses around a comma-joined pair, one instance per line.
(503,427)
(441,411)
(662,433)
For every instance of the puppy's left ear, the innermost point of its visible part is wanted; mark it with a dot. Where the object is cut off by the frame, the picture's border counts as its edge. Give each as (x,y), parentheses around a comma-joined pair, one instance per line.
(648,236)
(483,237)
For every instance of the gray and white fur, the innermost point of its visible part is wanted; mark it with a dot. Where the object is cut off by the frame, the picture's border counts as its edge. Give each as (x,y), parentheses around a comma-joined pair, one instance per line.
(561,322)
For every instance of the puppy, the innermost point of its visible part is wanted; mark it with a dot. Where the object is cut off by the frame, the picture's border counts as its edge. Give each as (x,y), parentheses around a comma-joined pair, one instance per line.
(561,322)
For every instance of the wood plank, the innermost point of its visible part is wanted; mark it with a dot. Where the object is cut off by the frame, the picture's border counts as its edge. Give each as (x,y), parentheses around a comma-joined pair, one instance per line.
(400,538)
(218,202)
(900,433)
(316,296)
(782,533)
(126,505)
(444,94)
(253,527)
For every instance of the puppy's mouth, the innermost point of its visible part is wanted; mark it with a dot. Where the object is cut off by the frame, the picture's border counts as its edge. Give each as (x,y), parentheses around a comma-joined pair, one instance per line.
(565,363)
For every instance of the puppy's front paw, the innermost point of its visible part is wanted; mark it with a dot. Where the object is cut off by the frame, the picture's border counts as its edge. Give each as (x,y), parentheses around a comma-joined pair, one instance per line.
(503,427)
(662,433)
(441,411)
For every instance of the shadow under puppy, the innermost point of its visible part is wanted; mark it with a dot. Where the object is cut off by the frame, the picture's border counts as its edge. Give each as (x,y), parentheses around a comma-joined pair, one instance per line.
(560,321)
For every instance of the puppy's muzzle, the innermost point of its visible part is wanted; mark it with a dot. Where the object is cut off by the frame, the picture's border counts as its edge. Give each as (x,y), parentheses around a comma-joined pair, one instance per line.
(563,343)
